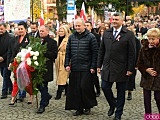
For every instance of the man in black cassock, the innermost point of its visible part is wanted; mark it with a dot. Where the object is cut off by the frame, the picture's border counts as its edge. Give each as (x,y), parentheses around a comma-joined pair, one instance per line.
(81,59)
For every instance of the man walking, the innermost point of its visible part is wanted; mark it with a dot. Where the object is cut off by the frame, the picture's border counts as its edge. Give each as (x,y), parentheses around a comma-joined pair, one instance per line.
(117,55)
(81,59)
(51,54)
(4,42)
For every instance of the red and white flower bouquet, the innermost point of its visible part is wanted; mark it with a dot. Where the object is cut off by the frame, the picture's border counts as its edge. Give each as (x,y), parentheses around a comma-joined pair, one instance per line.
(29,66)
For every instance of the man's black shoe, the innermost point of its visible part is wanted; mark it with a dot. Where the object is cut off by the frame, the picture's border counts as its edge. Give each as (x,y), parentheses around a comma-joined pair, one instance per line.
(3,96)
(20,99)
(97,94)
(41,110)
(117,118)
(129,96)
(78,112)
(87,111)
(111,111)
(50,96)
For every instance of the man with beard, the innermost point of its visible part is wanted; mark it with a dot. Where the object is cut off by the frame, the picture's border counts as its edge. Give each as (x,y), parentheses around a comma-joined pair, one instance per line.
(81,59)
(4,42)
(117,55)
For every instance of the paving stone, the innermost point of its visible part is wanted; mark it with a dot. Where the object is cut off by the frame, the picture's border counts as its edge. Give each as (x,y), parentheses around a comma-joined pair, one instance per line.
(133,110)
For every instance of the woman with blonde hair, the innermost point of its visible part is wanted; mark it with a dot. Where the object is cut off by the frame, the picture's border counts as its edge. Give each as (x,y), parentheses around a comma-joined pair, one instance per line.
(61,73)
(149,66)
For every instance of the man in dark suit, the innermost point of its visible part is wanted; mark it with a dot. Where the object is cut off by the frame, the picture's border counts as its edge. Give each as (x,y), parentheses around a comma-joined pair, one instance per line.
(89,27)
(34,30)
(51,54)
(4,42)
(117,55)
(140,30)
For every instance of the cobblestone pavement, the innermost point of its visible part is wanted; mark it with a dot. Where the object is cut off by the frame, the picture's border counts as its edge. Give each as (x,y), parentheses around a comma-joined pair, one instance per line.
(133,109)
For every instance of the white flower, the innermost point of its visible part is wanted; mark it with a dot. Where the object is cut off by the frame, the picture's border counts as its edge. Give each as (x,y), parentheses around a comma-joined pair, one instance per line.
(19,54)
(29,48)
(22,58)
(31,53)
(36,53)
(24,51)
(34,57)
(29,61)
(36,63)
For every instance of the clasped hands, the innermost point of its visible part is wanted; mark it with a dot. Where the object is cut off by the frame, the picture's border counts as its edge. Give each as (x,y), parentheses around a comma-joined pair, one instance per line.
(151,71)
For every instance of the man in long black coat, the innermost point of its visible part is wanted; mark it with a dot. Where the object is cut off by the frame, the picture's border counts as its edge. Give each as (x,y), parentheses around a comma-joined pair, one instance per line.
(117,55)
(51,54)
(4,42)
(81,59)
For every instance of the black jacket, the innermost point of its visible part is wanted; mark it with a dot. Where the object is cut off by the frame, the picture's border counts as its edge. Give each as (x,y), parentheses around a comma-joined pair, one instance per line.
(51,54)
(4,42)
(13,50)
(81,51)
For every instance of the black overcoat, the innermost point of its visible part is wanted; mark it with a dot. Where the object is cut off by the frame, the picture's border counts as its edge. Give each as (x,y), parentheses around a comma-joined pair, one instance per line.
(117,55)
(4,43)
(51,54)
(17,46)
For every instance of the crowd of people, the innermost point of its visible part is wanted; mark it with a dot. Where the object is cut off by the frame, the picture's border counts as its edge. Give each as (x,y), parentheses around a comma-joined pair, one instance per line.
(114,49)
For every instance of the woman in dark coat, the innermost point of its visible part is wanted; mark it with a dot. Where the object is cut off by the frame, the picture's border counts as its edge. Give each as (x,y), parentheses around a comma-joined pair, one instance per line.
(22,40)
(130,86)
(149,66)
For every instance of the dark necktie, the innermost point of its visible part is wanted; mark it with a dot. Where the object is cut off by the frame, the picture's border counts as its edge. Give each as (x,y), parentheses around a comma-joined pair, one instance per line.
(115,33)
(33,34)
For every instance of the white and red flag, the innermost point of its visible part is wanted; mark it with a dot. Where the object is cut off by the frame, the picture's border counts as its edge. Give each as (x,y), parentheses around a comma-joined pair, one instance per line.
(83,12)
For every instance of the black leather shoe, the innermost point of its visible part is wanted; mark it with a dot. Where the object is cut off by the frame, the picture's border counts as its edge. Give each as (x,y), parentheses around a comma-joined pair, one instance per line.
(50,96)
(3,96)
(129,96)
(111,111)
(41,110)
(97,94)
(78,112)
(117,118)
(87,111)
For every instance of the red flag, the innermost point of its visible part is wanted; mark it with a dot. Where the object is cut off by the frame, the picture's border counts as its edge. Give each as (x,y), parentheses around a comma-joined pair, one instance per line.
(41,21)
(83,12)
(42,17)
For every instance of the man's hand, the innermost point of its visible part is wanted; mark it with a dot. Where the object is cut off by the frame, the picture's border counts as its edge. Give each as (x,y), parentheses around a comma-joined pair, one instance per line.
(9,67)
(151,71)
(92,71)
(99,70)
(1,59)
(129,73)
(68,68)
